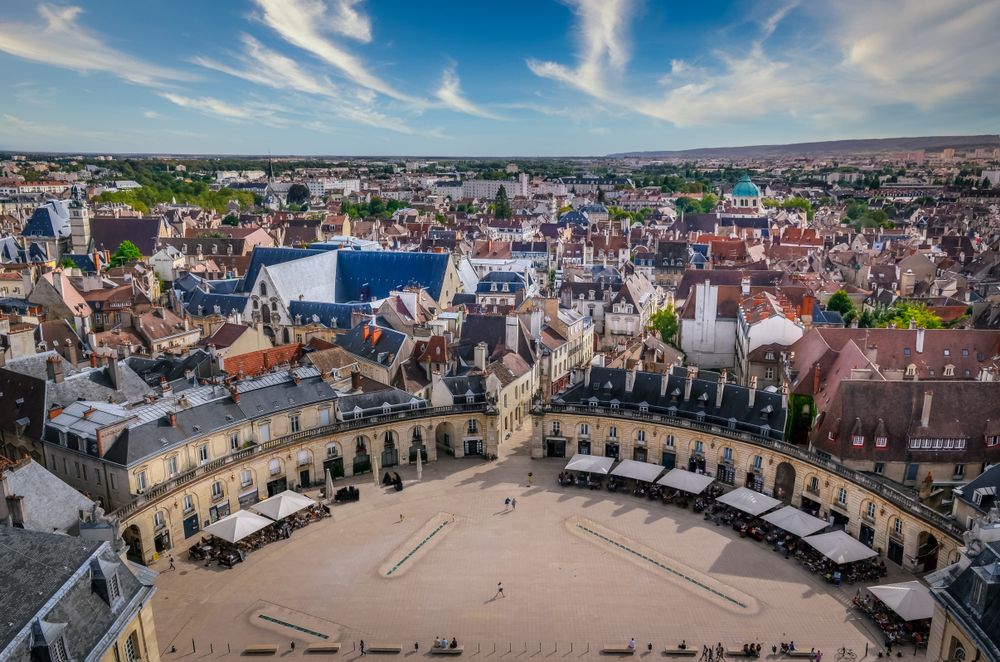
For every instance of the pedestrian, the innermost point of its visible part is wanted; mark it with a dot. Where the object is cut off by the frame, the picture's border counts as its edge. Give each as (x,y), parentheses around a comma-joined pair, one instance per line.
(506,504)
(292,645)
(401,518)
(172,566)
(500,590)
(531,478)
(513,503)
(361,647)
(631,642)
(836,578)
(711,654)
(819,656)
(720,652)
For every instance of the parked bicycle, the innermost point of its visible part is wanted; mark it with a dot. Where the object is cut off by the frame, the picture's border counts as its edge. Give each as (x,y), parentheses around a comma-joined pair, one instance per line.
(846,654)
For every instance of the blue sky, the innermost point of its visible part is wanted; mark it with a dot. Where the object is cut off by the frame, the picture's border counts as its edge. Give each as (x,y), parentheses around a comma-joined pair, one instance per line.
(537,77)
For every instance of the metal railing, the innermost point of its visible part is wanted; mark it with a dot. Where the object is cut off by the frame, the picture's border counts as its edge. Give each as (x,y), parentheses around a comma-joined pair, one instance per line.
(182,479)
(894,496)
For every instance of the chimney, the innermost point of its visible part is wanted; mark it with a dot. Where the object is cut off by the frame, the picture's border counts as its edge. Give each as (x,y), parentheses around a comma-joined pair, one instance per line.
(172,418)
(784,395)
(925,412)
(295,377)
(479,354)
(630,379)
(165,387)
(54,411)
(920,341)
(720,389)
(872,353)
(816,378)
(752,392)
(57,282)
(355,380)
(808,302)
(511,335)
(744,285)
(54,369)
(586,376)
(93,359)
(692,372)
(913,325)
(114,373)
(235,394)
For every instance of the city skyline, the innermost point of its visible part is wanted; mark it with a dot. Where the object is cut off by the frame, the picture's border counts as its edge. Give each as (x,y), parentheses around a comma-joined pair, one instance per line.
(574,78)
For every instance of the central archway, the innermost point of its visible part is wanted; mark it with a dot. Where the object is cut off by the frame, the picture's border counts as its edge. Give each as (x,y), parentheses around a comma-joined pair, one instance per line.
(784,482)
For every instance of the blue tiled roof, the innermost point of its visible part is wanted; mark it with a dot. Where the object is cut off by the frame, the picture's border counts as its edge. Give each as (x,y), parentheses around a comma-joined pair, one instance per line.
(746,189)
(49,220)
(574,216)
(262,257)
(367,275)
(209,301)
(83,262)
(322,312)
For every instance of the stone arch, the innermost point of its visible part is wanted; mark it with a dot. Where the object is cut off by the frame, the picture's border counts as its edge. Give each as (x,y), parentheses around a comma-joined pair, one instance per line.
(390,448)
(333,460)
(444,435)
(418,443)
(927,551)
(784,481)
(132,536)
(362,454)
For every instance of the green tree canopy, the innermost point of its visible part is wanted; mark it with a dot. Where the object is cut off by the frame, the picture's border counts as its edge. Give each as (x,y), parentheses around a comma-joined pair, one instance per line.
(231,219)
(501,205)
(127,252)
(298,194)
(842,304)
(665,322)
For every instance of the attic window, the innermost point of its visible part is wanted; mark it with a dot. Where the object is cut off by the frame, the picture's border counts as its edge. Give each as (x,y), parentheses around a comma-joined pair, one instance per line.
(881,442)
(906,351)
(858,440)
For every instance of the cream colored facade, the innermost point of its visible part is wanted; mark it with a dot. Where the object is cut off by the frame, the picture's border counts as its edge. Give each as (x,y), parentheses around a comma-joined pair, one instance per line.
(142,633)
(773,467)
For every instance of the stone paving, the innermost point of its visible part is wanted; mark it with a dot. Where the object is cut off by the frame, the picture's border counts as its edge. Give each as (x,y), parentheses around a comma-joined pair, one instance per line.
(561,589)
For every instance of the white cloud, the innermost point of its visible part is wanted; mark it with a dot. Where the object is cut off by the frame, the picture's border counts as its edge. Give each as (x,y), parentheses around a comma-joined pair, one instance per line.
(450,93)
(225,110)
(603,45)
(350,22)
(152,115)
(27,126)
(299,22)
(61,41)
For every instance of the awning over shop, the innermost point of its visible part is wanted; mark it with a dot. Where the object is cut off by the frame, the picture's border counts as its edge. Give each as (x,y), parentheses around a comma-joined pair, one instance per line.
(594,464)
(644,471)
(749,501)
(795,521)
(283,505)
(912,600)
(840,547)
(686,481)
(238,525)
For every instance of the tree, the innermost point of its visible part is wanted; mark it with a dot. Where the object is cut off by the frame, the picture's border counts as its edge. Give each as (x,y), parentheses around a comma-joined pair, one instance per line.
(298,194)
(501,205)
(231,219)
(842,304)
(665,322)
(127,252)
(67,263)
(903,312)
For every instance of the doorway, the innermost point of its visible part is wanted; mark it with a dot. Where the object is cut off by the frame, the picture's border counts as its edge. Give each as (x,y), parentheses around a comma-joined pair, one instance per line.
(639,454)
(611,449)
(895,551)
(277,486)
(866,534)
(304,478)
(555,448)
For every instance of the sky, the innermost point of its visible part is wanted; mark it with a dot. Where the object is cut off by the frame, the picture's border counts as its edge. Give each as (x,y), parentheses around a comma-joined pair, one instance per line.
(476,78)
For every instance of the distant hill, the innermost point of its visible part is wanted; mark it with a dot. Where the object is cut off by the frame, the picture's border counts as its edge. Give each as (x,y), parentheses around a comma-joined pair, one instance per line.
(825,148)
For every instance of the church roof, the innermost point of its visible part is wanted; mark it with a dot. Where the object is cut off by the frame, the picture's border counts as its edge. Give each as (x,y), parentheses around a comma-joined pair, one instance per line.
(745,188)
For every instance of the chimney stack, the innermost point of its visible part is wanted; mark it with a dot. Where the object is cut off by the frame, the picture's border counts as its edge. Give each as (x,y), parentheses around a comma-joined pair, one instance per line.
(692,372)
(720,389)
(479,356)
(752,392)
(235,394)
(355,380)
(586,376)
(630,379)
(744,285)
(920,340)
(114,372)
(511,333)
(54,369)
(925,412)
(172,418)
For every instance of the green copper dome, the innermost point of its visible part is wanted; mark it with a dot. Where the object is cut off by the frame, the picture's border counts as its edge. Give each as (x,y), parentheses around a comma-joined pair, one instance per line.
(746,189)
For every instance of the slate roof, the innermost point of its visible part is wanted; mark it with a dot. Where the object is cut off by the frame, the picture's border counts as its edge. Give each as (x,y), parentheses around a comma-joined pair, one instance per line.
(359,342)
(50,219)
(987,483)
(210,303)
(267,256)
(373,402)
(367,275)
(461,387)
(173,368)
(328,314)
(109,233)
(766,417)
(957,597)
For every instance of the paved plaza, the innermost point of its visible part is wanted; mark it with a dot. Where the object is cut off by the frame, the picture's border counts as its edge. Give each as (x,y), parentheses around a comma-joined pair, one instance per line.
(579,568)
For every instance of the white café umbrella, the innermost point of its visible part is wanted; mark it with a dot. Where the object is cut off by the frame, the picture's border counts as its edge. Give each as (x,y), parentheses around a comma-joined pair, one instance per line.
(686,481)
(594,464)
(644,471)
(238,526)
(911,600)
(749,501)
(329,485)
(282,505)
(795,521)
(840,547)
(420,463)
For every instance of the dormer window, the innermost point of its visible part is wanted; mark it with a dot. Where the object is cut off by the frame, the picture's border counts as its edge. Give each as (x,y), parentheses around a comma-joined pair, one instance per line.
(911,370)
(881,442)
(949,370)
(858,440)
(104,581)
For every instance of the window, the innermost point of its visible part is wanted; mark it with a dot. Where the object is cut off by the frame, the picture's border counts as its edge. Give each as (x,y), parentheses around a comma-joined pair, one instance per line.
(881,442)
(949,370)
(897,527)
(640,436)
(670,441)
(769,356)
(332,450)
(293,423)
(613,432)
(132,648)
(880,468)
(858,440)
(77,467)
(203,454)
(959,470)
(870,510)
(965,353)
(906,351)
(58,650)
(114,590)
(699,447)
(813,484)
(911,370)
(593,404)
(188,503)
(263,290)
(140,481)
(234,441)
(644,407)
(993,440)
(769,373)
(584,430)
(947,352)
(758,463)
(473,426)
(324,416)
(216,490)
(556,428)
(246,478)
(727,454)
(159,520)
(274,467)
(172,466)
(842,496)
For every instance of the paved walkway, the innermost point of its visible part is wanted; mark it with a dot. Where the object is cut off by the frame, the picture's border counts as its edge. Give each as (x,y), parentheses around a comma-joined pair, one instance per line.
(560,588)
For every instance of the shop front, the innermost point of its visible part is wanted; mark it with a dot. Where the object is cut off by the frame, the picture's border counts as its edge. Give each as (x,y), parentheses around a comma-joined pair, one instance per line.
(866,535)
(669,460)
(612,449)
(277,486)
(583,447)
(190,524)
(218,511)
(555,447)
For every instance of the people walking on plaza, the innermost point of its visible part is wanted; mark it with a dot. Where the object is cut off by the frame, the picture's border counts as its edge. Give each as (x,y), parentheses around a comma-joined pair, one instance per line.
(631,642)
(720,652)
(506,504)
(361,647)
(499,590)
(531,478)
(172,566)
(704,653)
(836,578)
(513,503)
(401,518)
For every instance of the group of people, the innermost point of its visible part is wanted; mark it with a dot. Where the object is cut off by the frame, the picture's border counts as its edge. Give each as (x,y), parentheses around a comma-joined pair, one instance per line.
(442,642)
(392,478)
(751,649)
(713,654)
